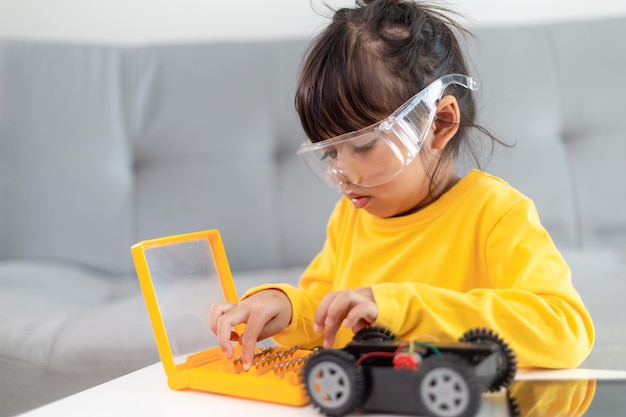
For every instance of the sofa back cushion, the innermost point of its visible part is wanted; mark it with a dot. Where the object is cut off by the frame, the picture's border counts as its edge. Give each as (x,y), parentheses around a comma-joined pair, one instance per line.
(204,146)
(591,58)
(215,148)
(66,181)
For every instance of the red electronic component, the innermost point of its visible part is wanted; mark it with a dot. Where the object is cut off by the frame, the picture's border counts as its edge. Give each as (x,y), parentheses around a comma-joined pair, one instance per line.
(407,360)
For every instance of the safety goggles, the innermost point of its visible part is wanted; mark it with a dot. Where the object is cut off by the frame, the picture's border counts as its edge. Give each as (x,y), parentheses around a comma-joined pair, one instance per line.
(376,154)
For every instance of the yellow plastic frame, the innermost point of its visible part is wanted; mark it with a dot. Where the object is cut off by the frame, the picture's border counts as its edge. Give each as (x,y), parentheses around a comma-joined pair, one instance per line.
(209,370)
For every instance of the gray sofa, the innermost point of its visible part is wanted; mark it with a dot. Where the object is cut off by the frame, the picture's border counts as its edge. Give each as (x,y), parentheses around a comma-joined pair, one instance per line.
(102,146)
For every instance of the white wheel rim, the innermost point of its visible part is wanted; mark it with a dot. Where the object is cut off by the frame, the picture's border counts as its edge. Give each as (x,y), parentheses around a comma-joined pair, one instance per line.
(329,384)
(445,392)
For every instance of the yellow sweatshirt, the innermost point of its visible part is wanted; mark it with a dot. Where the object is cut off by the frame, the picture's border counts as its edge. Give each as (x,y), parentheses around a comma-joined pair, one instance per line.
(478,256)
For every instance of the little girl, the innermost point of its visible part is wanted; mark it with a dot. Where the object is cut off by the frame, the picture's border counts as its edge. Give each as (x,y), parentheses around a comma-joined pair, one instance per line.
(386,102)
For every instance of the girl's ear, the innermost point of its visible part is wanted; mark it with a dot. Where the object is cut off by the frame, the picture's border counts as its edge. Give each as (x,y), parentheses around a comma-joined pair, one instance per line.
(446,122)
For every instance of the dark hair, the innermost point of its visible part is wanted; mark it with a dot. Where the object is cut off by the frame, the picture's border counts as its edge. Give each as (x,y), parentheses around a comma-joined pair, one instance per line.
(373,58)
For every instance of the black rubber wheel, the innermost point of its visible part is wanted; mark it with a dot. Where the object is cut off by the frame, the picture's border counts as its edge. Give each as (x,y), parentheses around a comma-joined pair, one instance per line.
(446,387)
(334,382)
(372,333)
(507,362)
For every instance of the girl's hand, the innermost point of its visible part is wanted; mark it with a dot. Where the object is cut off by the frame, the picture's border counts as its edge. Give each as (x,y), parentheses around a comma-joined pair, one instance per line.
(355,308)
(265,314)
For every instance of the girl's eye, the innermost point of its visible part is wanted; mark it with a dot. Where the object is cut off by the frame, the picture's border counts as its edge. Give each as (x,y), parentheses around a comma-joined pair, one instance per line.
(330,153)
(366,147)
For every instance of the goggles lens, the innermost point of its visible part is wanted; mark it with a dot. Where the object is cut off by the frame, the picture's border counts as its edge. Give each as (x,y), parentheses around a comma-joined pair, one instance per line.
(376,154)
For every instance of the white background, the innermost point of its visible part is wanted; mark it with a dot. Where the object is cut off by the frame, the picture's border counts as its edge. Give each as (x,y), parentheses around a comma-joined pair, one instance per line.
(141,21)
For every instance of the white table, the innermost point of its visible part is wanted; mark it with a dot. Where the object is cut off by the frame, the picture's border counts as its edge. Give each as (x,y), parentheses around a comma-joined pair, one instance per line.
(145,393)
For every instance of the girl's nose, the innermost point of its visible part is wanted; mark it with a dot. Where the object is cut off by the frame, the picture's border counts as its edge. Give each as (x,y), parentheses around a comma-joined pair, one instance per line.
(344,168)
(340,177)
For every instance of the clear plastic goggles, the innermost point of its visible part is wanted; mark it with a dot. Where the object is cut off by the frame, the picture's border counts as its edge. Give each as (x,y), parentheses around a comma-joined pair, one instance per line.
(376,154)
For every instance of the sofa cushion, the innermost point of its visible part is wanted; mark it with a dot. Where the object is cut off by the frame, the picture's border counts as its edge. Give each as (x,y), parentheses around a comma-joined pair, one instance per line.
(64,329)
(204,149)
(599,275)
(592,92)
(51,310)
(65,177)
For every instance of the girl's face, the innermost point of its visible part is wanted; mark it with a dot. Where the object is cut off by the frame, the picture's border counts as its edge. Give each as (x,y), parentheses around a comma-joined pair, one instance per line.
(409,191)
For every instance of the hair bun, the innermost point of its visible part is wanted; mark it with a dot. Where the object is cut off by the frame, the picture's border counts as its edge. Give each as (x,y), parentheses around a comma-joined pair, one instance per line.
(364,3)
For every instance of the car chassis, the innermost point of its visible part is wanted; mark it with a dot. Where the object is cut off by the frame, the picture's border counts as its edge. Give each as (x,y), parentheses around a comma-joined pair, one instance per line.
(377,372)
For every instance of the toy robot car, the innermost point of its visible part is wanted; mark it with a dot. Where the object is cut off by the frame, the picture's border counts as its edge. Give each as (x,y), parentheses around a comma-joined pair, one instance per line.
(377,372)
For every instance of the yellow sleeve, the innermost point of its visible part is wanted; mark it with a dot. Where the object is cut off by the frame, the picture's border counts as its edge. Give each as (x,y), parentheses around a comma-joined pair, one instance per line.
(531,302)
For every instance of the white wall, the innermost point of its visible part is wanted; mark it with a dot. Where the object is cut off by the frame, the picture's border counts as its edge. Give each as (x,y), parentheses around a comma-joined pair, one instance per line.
(138,21)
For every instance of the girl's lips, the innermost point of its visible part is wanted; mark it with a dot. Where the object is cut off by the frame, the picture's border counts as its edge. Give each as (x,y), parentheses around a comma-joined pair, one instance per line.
(359,201)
